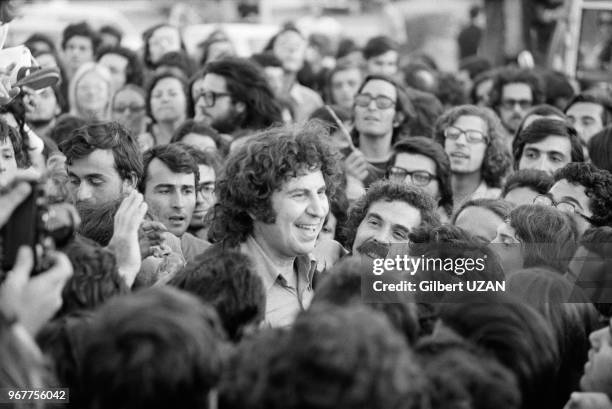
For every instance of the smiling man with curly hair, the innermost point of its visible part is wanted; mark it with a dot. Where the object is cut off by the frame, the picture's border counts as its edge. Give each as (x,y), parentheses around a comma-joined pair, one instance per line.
(273,197)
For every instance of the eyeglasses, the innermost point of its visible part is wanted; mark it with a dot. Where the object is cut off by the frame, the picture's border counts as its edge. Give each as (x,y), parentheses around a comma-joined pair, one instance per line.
(210,97)
(471,135)
(565,207)
(382,102)
(132,108)
(509,103)
(418,177)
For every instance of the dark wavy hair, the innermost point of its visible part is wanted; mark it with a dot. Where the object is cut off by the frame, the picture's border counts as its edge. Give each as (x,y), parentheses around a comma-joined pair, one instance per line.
(157,78)
(259,168)
(600,149)
(598,187)
(511,75)
(133,71)
(388,191)
(542,128)
(82,29)
(403,105)
(534,179)
(598,98)
(497,159)
(421,145)
(106,135)
(548,237)
(542,110)
(175,156)
(247,83)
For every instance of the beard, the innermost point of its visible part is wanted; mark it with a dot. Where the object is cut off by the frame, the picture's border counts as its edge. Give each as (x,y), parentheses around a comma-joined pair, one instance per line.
(229,123)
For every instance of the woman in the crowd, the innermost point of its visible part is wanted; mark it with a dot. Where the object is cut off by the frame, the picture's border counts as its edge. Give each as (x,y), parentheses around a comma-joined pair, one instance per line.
(422,162)
(90,92)
(472,138)
(167,105)
(481,217)
(129,108)
(536,236)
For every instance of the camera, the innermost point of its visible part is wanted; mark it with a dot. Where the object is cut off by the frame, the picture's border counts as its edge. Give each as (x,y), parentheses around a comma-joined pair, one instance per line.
(40,224)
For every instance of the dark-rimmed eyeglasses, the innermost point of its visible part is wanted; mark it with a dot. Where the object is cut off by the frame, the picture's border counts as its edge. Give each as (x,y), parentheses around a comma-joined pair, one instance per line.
(566,207)
(210,97)
(382,102)
(471,135)
(418,177)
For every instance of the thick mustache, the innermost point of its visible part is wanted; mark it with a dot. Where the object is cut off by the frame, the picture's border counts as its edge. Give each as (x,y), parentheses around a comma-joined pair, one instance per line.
(374,247)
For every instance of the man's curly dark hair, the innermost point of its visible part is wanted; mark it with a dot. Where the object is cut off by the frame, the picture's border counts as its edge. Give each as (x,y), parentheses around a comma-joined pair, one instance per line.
(497,159)
(259,168)
(385,190)
(597,186)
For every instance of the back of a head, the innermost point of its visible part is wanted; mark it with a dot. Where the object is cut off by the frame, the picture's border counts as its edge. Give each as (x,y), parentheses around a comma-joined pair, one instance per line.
(342,287)
(151,349)
(461,374)
(517,335)
(600,149)
(534,179)
(344,357)
(226,280)
(549,237)
(96,277)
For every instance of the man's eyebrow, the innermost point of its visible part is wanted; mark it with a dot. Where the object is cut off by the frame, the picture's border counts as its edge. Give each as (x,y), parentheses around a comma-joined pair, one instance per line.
(571,200)
(375,215)
(401,227)
(164,185)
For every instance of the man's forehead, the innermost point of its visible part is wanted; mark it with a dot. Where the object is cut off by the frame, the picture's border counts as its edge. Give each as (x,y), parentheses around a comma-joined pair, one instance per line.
(515,88)
(395,212)
(551,143)
(304,179)
(158,173)
(585,109)
(99,161)
(563,188)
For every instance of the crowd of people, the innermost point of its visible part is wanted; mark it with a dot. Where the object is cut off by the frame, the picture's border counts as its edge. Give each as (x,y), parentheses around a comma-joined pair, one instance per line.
(222,209)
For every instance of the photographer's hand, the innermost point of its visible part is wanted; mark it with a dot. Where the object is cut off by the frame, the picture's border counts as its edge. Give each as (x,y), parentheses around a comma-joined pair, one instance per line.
(7,91)
(124,242)
(34,300)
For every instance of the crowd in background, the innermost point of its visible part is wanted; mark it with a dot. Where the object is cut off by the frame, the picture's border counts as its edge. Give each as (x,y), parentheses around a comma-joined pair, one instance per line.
(223,208)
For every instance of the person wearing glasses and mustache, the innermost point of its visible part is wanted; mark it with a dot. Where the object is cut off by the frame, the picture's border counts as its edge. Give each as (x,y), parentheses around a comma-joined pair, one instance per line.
(381,110)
